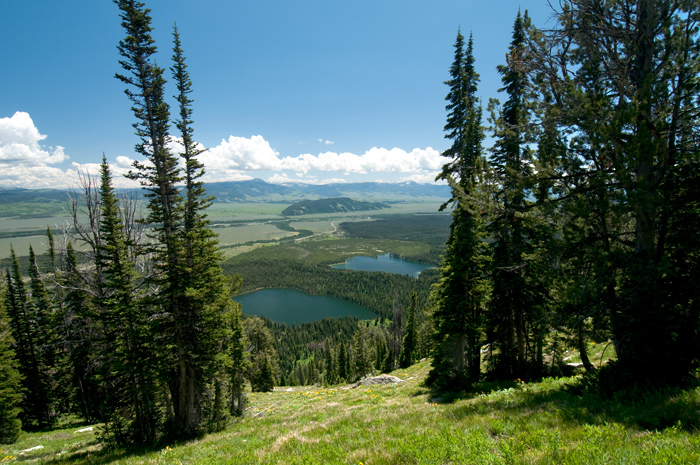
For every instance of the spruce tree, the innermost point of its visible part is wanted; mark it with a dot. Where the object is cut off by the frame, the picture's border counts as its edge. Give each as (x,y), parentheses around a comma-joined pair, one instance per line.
(262,355)
(10,384)
(462,291)
(80,338)
(43,311)
(622,78)
(200,319)
(361,358)
(238,364)
(37,403)
(129,373)
(514,317)
(193,292)
(343,363)
(410,339)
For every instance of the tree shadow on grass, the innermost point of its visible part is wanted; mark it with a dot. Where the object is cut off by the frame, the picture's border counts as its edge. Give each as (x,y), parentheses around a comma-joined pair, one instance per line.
(645,408)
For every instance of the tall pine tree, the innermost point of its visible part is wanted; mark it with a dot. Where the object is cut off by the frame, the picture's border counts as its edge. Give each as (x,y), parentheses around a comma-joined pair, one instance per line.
(10,384)
(129,371)
(461,293)
(515,323)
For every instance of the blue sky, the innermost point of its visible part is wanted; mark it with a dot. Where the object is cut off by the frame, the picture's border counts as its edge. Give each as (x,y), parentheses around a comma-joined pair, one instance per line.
(306,91)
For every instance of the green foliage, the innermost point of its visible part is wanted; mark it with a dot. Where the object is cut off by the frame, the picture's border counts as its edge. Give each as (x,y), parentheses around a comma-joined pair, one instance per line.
(10,384)
(129,372)
(362,359)
(516,318)
(462,292)
(335,205)
(37,403)
(238,365)
(430,229)
(372,290)
(263,366)
(625,98)
(410,338)
(77,322)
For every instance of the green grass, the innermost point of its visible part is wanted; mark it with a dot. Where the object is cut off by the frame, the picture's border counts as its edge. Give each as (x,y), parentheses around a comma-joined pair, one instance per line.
(402,424)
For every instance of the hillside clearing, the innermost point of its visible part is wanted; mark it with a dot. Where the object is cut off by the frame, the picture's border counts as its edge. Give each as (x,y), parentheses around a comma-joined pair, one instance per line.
(403,423)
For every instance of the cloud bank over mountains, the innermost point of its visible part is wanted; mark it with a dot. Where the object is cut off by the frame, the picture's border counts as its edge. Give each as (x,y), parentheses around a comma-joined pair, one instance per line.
(25,162)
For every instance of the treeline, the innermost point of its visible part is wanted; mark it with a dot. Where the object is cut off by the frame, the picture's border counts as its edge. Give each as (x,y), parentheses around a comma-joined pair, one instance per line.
(375,291)
(583,218)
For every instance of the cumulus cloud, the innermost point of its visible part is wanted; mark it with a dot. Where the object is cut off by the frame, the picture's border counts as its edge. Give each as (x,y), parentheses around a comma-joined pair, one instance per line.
(240,153)
(19,143)
(25,162)
(374,160)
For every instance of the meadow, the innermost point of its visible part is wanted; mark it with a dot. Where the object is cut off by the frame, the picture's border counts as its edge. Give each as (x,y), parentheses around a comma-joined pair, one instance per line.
(551,421)
(241,226)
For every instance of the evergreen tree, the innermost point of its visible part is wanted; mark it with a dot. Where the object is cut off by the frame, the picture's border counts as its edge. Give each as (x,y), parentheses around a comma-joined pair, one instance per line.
(192,290)
(10,384)
(37,404)
(129,374)
(462,291)
(624,90)
(43,311)
(51,248)
(410,339)
(262,355)
(343,363)
(514,306)
(362,363)
(80,338)
(331,366)
(238,364)
(206,298)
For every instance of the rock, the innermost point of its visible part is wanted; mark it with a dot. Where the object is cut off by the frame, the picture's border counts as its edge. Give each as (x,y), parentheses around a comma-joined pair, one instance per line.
(30,449)
(84,430)
(382,379)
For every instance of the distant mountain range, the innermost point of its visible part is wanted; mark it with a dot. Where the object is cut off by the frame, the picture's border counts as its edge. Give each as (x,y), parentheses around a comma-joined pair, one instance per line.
(334,205)
(257,190)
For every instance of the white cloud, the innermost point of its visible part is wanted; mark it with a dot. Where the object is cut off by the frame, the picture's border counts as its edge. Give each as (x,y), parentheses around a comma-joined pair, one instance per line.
(19,143)
(374,160)
(37,177)
(24,161)
(427,178)
(240,153)
(284,179)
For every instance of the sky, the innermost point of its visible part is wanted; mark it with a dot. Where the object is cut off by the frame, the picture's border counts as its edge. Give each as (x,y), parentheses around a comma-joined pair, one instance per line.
(312,91)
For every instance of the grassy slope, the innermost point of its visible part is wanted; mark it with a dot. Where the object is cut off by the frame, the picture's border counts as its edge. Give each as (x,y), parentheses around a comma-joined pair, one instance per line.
(403,424)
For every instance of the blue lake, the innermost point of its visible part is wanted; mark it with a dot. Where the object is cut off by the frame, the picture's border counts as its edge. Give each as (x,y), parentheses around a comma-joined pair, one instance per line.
(293,307)
(386,262)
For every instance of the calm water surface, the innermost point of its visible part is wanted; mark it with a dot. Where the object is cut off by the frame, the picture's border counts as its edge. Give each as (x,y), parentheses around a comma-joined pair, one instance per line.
(386,262)
(293,307)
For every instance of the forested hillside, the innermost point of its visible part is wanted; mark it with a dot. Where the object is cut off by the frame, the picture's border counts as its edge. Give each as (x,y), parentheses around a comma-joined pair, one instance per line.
(334,205)
(375,291)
